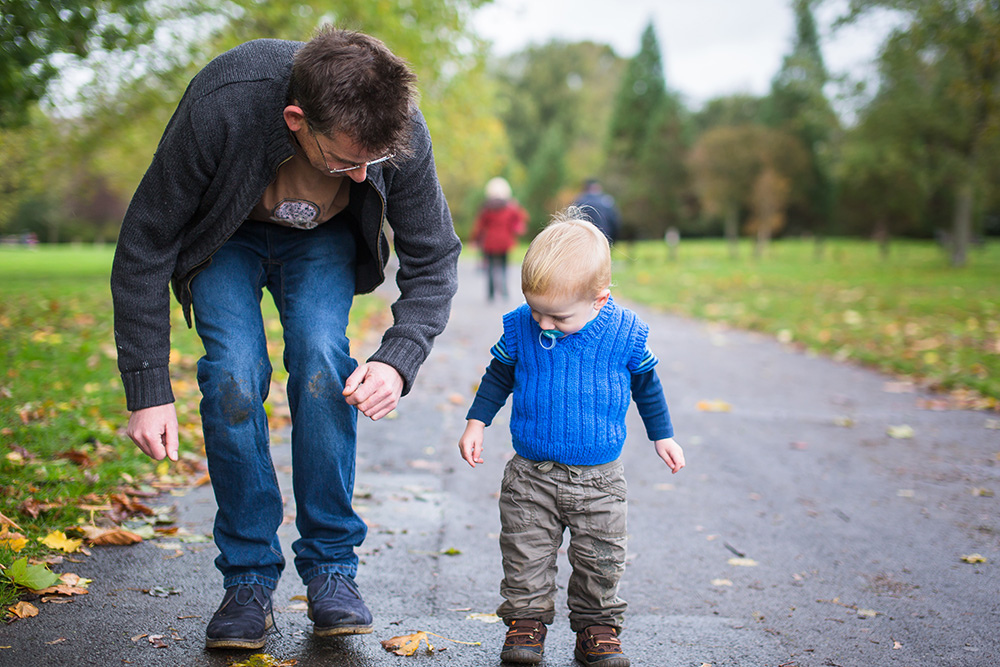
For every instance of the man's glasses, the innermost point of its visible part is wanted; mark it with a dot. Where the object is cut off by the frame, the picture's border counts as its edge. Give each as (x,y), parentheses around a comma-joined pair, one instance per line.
(341,170)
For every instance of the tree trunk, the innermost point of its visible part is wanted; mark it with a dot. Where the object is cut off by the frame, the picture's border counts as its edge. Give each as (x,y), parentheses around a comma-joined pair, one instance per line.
(881,235)
(732,231)
(962,229)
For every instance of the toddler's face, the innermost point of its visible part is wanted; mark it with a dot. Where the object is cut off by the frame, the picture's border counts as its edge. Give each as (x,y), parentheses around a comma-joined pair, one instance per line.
(567,314)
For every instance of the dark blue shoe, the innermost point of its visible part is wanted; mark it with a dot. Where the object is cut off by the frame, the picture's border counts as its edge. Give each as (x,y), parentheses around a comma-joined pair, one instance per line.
(242,620)
(336,607)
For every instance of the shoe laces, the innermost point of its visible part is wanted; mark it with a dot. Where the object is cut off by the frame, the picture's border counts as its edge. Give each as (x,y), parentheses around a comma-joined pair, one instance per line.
(241,589)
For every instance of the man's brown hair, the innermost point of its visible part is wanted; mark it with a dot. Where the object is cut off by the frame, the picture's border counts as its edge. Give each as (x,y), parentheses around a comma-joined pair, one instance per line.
(347,82)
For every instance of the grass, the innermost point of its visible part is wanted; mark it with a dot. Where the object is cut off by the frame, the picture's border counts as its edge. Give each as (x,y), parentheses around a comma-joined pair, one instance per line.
(62,408)
(910,314)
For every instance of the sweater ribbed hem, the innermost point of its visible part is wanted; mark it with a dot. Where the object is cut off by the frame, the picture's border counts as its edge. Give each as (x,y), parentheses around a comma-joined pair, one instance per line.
(404,355)
(147,388)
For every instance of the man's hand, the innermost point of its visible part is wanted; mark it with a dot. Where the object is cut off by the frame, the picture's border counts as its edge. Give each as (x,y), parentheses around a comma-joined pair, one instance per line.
(375,388)
(154,430)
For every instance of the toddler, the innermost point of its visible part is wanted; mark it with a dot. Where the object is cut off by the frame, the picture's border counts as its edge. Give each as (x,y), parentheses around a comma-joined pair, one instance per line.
(573,359)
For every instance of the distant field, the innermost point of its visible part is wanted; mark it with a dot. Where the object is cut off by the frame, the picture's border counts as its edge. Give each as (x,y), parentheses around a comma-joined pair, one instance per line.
(910,314)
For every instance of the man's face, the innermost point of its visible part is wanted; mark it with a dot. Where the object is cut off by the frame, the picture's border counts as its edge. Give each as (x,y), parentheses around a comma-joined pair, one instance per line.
(337,153)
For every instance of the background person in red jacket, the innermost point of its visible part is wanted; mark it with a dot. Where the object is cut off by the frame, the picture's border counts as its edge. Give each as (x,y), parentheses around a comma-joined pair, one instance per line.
(500,221)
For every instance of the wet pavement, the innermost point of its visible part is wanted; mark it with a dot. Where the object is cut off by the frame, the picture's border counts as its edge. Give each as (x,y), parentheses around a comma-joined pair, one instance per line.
(801,533)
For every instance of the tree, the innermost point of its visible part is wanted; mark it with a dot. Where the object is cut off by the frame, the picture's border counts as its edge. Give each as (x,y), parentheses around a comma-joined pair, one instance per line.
(32,32)
(647,140)
(797,104)
(959,41)
(564,86)
(727,164)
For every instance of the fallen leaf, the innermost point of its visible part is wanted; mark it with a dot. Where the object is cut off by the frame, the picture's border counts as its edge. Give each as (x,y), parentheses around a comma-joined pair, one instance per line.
(264,660)
(743,562)
(23,610)
(13,541)
(406,644)
(56,641)
(58,540)
(977,491)
(844,421)
(109,536)
(906,493)
(35,577)
(457,399)
(901,432)
(157,641)
(974,558)
(5,521)
(713,406)
(896,645)
(867,613)
(721,582)
(485,618)
(451,552)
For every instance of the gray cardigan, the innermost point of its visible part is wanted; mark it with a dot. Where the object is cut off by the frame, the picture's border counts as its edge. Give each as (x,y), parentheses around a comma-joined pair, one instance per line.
(219,152)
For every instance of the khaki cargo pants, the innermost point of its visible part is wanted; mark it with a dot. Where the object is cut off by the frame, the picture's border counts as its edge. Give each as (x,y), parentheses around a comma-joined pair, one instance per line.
(538,502)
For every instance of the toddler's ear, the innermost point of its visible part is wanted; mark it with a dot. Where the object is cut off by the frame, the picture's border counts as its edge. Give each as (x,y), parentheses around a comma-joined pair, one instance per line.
(602,299)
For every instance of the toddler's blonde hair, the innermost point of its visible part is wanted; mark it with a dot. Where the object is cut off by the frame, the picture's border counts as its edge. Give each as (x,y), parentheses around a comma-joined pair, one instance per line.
(569,257)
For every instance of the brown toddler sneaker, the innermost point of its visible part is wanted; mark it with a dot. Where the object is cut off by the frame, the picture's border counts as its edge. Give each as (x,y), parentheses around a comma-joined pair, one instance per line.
(599,645)
(524,642)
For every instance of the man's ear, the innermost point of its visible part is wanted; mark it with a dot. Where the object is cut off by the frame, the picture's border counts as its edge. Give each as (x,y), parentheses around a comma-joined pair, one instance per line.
(295,119)
(602,299)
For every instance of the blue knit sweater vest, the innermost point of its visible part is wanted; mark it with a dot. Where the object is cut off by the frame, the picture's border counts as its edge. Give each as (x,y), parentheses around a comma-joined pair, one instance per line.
(570,401)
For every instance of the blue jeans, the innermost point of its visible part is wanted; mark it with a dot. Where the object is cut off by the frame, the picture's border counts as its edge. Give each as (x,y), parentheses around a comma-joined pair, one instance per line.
(310,275)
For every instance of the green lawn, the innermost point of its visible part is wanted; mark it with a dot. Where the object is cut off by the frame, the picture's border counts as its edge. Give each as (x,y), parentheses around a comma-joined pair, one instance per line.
(62,409)
(909,314)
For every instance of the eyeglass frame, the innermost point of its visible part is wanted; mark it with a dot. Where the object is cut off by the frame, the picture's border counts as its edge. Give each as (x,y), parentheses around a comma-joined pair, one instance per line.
(342,170)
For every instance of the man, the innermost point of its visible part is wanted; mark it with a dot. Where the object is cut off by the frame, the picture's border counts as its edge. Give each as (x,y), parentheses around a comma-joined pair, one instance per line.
(599,207)
(277,170)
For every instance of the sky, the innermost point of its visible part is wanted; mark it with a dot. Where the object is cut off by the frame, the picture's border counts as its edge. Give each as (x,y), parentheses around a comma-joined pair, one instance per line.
(710,47)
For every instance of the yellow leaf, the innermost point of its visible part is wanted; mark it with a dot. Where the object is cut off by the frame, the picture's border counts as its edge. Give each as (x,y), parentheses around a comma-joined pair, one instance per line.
(264,660)
(721,582)
(406,644)
(974,558)
(58,540)
(743,562)
(163,468)
(485,618)
(23,610)
(713,406)
(13,541)
(901,432)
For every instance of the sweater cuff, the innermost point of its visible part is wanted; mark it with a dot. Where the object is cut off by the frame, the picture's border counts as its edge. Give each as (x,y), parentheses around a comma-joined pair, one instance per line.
(402,354)
(147,388)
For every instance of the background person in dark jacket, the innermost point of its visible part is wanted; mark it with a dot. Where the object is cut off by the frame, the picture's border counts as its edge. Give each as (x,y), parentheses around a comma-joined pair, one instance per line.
(599,207)
(277,171)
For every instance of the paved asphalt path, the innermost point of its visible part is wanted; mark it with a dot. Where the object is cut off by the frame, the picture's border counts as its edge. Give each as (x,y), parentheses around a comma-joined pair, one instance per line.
(851,541)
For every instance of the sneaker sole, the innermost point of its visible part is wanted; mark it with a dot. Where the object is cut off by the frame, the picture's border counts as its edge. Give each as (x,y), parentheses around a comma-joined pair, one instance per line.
(620,661)
(342,630)
(521,656)
(240,642)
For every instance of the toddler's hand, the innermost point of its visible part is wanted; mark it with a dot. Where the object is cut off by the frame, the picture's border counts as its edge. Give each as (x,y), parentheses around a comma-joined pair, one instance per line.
(671,453)
(471,443)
